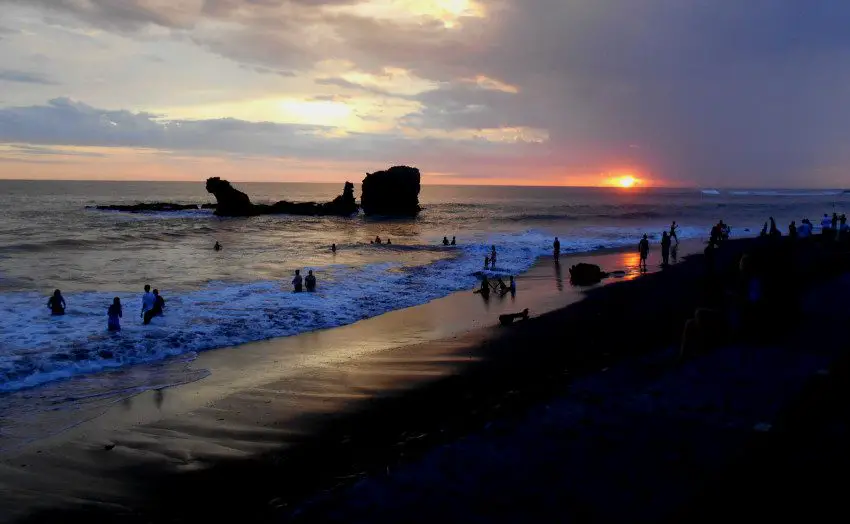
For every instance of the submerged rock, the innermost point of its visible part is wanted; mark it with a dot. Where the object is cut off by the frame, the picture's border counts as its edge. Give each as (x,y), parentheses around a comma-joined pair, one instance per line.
(235,203)
(394,192)
(583,274)
(142,207)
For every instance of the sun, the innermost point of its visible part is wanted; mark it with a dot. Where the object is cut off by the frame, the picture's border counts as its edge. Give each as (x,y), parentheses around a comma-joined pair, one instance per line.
(626,181)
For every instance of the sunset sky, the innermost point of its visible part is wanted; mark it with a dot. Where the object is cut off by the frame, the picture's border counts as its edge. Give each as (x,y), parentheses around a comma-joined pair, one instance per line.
(563,92)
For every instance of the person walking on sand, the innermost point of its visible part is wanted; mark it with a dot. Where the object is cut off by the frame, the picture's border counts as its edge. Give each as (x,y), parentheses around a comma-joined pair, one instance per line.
(556,249)
(665,249)
(113,314)
(148,300)
(56,303)
(643,249)
(297,282)
(493,257)
(310,281)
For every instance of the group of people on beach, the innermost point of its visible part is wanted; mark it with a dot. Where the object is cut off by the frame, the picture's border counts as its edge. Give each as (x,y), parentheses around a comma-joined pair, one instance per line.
(379,241)
(497,286)
(447,243)
(299,282)
(833,227)
(669,249)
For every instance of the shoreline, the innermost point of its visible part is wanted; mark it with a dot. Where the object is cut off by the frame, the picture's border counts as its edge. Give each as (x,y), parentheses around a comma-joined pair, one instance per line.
(250,404)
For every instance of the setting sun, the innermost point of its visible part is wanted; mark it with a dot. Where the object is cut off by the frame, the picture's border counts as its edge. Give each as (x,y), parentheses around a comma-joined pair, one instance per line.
(626,181)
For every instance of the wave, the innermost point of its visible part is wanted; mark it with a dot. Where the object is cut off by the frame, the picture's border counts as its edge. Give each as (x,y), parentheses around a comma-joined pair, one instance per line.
(39,348)
(551,217)
(789,193)
(709,191)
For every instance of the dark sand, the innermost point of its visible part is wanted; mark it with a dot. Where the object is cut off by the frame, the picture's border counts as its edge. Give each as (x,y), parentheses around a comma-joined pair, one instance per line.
(281,398)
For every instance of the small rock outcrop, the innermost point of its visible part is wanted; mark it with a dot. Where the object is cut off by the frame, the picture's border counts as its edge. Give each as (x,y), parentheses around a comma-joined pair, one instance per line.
(586,274)
(231,201)
(144,207)
(394,192)
(235,203)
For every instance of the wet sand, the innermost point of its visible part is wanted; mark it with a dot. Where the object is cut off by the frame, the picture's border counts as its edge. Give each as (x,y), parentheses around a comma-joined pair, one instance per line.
(302,404)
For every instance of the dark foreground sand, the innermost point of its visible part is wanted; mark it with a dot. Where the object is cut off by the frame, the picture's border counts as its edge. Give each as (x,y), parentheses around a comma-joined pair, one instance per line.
(256,441)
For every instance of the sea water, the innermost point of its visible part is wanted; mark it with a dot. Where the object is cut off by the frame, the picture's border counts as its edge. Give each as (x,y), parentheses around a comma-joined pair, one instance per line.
(49,240)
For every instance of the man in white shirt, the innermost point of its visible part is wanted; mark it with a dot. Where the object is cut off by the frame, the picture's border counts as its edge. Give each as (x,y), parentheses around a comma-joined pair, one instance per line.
(148,300)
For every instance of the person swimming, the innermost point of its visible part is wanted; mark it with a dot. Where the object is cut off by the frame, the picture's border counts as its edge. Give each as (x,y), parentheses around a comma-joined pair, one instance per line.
(310,281)
(297,282)
(445,241)
(114,314)
(454,241)
(377,240)
(56,303)
(217,246)
(389,242)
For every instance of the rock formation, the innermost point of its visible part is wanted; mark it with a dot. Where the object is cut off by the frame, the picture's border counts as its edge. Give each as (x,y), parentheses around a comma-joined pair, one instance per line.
(586,274)
(235,203)
(394,192)
(143,207)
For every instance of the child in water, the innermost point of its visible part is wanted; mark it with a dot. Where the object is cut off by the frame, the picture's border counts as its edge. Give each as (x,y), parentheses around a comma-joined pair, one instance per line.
(114,314)
(56,303)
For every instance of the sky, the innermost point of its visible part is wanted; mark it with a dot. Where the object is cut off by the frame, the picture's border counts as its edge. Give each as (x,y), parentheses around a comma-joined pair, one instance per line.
(709,93)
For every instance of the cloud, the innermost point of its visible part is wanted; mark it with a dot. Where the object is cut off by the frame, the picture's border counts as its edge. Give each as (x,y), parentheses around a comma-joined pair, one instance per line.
(24,77)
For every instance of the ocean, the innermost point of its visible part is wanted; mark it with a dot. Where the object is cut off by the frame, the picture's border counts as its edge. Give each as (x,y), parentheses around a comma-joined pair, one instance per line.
(49,240)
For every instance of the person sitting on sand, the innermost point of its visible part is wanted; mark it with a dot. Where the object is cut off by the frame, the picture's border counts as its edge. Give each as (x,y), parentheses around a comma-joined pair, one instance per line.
(445,241)
(310,281)
(665,249)
(56,303)
(217,246)
(493,257)
(114,313)
(157,309)
(643,249)
(556,248)
(297,282)
(454,241)
(148,300)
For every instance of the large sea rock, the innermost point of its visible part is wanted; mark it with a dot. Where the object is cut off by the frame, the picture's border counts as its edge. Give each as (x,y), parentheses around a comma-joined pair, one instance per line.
(235,203)
(394,192)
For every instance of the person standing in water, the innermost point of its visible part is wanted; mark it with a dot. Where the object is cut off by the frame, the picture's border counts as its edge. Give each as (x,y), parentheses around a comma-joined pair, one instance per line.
(333,248)
(310,281)
(665,249)
(217,246)
(445,241)
(157,309)
(114,314)
(493,257)
(454,241)
(389,242)
(377,240)
(643,249)
(556,249)
(512,286)
(297,282)
(148,300)
(56,303)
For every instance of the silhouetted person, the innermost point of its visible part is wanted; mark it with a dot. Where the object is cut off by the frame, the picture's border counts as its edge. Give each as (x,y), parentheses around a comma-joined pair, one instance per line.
(377,240)
(445,241)
(792,229)
(556,249)
(114,313)
(454,241)
(486,262)
(217,246)
(512,286)
(774,231)
(665,249)
(725,230)
(673,231)
(485,287)
(157,309)
(389,242)
(493,257)
(825,224)
(716,233)
(643,249)
(333,248)
(834,221)
(310,281)
(805,229)
(148,300)
(56,303)
(297,282)
(763,230)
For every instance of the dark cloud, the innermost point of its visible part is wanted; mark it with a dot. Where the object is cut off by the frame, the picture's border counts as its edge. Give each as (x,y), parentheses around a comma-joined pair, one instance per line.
(24,77)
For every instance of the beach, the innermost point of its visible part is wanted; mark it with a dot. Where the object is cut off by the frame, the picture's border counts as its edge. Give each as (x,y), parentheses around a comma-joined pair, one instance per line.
(267,396)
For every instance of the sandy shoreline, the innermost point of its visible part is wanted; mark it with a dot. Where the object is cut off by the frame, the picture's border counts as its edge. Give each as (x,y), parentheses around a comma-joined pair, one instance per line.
(268,396)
